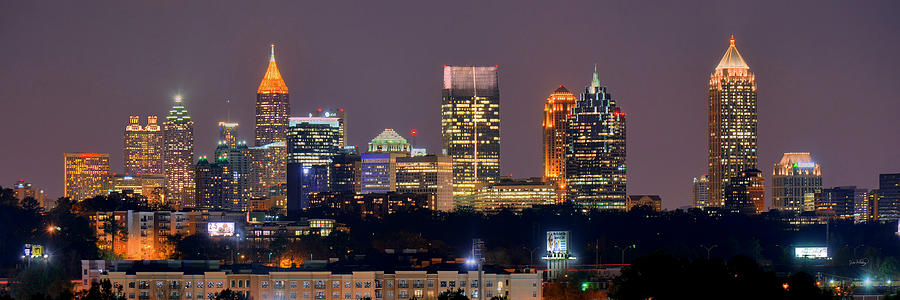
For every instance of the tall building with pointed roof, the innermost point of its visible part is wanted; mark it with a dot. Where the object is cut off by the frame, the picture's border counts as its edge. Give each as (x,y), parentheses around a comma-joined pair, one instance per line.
(595,157)
(178,133)
(732,122)
(470,125)
(556,111)
(272,106)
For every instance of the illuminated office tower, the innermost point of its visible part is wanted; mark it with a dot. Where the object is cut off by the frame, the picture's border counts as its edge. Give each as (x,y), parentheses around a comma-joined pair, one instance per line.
(268,165)
(236,162)
(228,133)
(746,193)
(470,125)
(732,122)
(273,106)
(23,189)
(86,174)
(888,204)
(429,174)
(143,147)
(511,194)
(840,202)
(700,192)
(345,172)
(212,183)
(795,176)
(312,143)
(178,133)
(595,158)
(559,105)
(341,115)
(378,166)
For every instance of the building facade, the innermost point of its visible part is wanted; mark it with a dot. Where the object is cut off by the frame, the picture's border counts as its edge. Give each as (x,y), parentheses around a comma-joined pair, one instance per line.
(371,205)
(470,125)
(323,284)
(268,166)
(228,133)
(556,112)
(23,189)
(312,144)
(150,187)
(732,122)
(273,106)
(746,193)
(889,197)
(700,192)
(143,147)
(595,159)
(86,175)
(652,201)
(432,174)
(793,178)
(178,133)
(841,203)
(346,172)
(513,195)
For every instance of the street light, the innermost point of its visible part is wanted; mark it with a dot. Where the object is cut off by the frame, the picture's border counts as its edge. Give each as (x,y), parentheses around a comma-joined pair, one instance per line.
(708,250)
(623,249)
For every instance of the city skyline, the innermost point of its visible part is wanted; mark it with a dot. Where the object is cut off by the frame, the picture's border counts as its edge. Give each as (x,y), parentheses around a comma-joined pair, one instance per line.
(787,101)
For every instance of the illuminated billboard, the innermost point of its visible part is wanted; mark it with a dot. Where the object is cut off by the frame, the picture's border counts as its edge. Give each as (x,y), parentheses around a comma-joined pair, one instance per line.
(811,252)
(220,228)
(32,250)
(557,241)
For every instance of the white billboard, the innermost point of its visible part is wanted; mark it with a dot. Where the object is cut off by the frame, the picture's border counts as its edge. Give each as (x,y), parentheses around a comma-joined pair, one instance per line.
(220,228)
(811,252)
(557,241)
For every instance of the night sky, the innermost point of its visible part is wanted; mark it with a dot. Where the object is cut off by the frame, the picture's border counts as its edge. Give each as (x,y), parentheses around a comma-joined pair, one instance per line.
(71,74)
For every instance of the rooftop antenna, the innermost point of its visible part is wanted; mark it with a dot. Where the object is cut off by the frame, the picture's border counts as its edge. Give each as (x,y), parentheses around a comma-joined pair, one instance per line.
(227,110)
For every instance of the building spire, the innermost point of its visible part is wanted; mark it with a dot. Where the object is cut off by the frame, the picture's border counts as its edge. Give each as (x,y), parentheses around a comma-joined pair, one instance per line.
(272,58)
(732,58)
(595,81)
(272,83)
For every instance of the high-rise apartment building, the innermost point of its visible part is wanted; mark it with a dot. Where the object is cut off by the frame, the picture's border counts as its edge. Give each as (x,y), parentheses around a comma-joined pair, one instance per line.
(273,106)
(86,175)
(556,112)
(889,197)
(143,147)
(700,192)
(732,122)
(795,176)
(470,125)
(595,158)
(312,143)
(431,174)
(746,193)
(213,183)
(178,134)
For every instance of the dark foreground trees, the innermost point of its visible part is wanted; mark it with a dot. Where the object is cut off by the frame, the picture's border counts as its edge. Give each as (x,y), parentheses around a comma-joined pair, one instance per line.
(662,276)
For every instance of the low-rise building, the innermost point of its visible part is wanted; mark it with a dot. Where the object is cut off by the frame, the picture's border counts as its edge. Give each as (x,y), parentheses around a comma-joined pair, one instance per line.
(653,201)
(203,280)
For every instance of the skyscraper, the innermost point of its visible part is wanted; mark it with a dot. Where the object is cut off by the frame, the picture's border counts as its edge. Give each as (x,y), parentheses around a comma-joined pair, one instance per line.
(431,174)
(23,189)
(379,164)
(795,176)
(267,169)
(212,181)
(889,197)
(732,122)
(746,193)
(556,111)
(470,125)
(841,203)
(143,147)
(228,133)
(700,192)
(178,133)
(86,175)
(312,143)
(272,106)
(595,158)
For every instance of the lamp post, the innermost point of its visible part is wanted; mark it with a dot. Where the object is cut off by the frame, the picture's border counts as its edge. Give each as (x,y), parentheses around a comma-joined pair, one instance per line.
(708,250)
(623,249)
